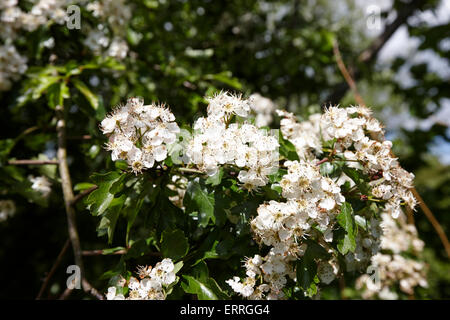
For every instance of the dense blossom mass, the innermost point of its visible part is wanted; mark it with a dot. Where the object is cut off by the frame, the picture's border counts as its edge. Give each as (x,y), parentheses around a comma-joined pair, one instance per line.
(140,134)
(219,139)
(397,264)
(313,201)
(152,284)
(359,140)
(311,208)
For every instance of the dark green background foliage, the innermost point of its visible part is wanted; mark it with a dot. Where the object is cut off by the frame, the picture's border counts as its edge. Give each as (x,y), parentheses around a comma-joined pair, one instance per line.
(180,52)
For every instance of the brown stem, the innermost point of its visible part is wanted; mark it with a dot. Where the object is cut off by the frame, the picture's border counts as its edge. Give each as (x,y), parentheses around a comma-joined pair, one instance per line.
(101,252)
(32,162)
(82,194)
(322,161)
(346,74)
(433,221)
(53,269)
(65,294)
(68,199)
(118,252)
(83,137)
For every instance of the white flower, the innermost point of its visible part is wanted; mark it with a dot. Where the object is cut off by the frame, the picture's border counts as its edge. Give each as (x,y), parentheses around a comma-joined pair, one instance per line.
(140,133)
(41,184)
(7,209)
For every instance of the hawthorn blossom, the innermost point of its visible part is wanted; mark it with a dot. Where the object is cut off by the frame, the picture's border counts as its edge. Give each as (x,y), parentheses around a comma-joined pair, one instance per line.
(41,184)
(218,141)
(140,134)
(152,285)
(7,209)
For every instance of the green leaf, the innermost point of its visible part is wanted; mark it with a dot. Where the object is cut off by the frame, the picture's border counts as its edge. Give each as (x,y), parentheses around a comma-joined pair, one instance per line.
(287,149)
(205,290)
(101,198)
(361,221)
(198,199)
(174,244)
(56,94)
(87,93)
(346,221)
(109,220)
(215,179)
(316,250)
(83,186)
(358,178)
(347,244)
(306,271)
(137,249)
(345,217)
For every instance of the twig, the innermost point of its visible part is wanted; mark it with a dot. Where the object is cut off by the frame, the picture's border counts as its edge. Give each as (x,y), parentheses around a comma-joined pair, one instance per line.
(32,162)
(190,170)
(53,269)
(118,252)
(346,74)
(101,252)
(410,215)
(82,194)
(322,161)
(433,221)
(83,137)
(90,289)
(65,294)
(68,198)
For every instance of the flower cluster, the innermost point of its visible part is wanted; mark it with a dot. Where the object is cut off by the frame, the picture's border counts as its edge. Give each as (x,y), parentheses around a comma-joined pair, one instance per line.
(7,209)
(391,266)
(41,184)
(305,135)
(263,108)
(312,200)
(106,37)
(359,139)
(112,13)
(12,65)
(13,18)
(266,277)
(218,141)
(140,134)
(153,284)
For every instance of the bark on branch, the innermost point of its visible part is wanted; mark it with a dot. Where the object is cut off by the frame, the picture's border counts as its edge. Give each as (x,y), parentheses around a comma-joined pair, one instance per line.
(32,162)
(68,199)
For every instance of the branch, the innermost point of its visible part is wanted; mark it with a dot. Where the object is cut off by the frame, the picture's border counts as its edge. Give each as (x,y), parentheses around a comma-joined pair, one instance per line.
(346,74)
(82,194)
(433,221)
(65,294)
(68,198)
(370,53)
(118,252)
(32,162)
(83,137)
(53,269)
